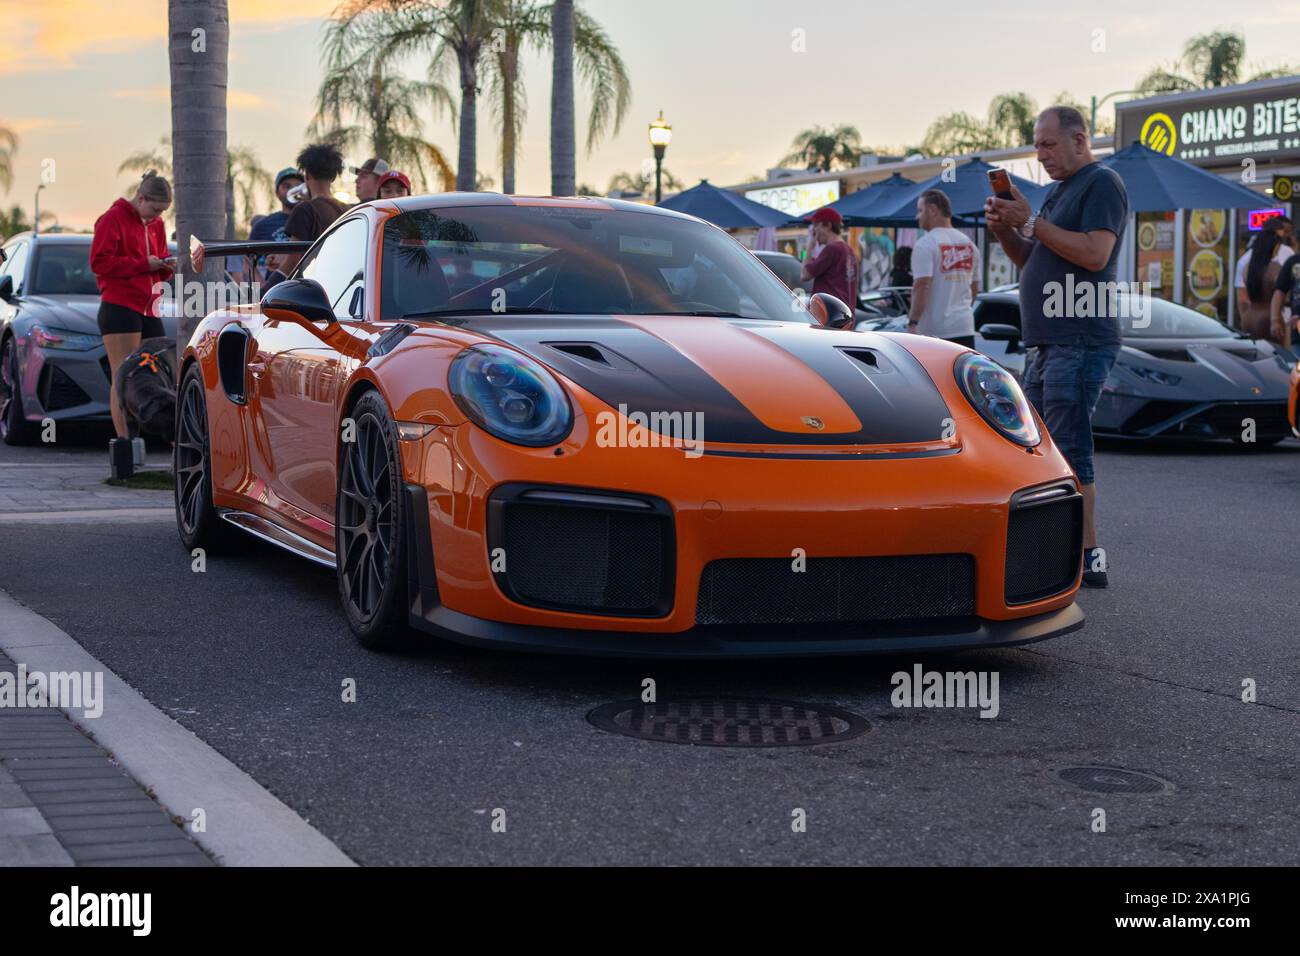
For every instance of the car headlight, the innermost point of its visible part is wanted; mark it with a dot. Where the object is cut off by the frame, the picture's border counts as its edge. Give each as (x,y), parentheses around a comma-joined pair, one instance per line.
(996,395)
(510,396)
(1151,375)
(48,337)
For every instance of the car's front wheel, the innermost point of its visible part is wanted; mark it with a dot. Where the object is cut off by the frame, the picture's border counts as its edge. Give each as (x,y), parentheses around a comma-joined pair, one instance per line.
(15,429)
(369,546)
(197,520)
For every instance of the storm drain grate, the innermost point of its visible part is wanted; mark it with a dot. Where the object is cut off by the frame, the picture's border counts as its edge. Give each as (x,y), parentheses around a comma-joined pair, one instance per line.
(729,722)
(1113,780)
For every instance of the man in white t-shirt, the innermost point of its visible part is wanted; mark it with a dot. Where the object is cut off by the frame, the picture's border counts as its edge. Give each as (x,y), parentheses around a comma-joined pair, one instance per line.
(945,274)
(1285,250)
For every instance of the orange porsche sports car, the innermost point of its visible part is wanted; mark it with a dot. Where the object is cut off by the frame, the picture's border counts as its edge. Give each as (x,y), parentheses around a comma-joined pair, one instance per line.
(592,426)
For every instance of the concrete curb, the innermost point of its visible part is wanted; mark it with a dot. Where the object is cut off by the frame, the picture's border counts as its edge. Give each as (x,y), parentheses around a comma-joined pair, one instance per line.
(246,825)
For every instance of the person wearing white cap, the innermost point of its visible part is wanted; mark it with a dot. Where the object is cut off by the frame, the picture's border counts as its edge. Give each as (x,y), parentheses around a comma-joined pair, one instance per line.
(368,173)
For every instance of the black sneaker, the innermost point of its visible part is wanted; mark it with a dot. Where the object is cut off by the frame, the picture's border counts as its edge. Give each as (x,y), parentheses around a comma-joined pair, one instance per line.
(1094,568)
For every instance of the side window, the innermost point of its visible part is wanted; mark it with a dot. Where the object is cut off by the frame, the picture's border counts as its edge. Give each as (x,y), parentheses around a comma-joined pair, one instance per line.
(17,265)
(339,265)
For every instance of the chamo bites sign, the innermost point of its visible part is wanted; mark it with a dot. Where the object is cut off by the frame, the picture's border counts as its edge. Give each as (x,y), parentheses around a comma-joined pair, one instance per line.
(1259,121)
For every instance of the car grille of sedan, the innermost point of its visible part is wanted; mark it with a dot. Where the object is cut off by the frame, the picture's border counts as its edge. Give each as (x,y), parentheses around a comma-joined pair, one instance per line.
(1044,549)
(867,589)
(584,553)
(57,391)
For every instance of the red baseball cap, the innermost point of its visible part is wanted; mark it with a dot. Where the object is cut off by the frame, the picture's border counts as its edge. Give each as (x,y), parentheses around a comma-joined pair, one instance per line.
(394,175)
(826,214)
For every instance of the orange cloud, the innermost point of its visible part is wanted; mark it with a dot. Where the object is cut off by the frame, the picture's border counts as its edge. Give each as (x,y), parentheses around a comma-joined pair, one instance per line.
(52,37)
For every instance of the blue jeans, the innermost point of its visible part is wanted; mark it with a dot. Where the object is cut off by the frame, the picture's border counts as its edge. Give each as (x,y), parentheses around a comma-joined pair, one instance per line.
(1063,382)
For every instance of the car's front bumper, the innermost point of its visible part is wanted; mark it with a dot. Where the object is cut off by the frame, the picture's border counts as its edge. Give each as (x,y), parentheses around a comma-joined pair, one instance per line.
(64,384)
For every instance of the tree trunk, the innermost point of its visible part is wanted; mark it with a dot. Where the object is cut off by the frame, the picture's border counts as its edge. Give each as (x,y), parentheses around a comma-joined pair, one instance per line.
(467,161)
(230,205)
(198,45)
(509,76)
(564,172)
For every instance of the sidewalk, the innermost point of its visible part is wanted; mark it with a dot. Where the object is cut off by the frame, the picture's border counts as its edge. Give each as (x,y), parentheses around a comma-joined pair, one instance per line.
(32,485)
(64,802)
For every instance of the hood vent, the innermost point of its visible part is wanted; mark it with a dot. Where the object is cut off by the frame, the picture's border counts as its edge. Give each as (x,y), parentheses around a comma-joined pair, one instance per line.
(582,350)
(868,360)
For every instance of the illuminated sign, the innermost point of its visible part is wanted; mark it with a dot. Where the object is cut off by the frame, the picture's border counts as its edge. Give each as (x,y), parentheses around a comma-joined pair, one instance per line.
(1217,128)
(797,199)
(1260,216)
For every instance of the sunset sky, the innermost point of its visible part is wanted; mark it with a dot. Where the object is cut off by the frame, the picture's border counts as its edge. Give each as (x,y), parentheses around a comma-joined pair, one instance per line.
(84,82)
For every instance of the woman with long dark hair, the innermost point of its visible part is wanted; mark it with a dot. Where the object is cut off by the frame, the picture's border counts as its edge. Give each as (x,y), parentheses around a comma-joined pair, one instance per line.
(1261,278)
(130,260)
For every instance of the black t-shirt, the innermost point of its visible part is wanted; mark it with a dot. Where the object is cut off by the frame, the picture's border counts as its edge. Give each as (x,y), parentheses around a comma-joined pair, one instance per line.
(311,218)
(1060,302)
(1288,283)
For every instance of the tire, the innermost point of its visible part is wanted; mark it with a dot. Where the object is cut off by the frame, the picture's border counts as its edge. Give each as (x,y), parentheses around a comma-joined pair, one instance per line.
(14,428)
(197,521)
(369,530)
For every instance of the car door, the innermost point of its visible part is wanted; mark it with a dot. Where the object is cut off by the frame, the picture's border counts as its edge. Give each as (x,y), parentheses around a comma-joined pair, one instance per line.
(297,380)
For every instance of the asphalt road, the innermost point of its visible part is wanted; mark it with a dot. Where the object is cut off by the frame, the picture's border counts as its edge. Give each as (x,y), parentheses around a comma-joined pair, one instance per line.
(251,656)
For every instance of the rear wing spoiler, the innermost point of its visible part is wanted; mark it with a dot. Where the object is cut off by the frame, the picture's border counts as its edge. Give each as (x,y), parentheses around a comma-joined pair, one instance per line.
(199,250)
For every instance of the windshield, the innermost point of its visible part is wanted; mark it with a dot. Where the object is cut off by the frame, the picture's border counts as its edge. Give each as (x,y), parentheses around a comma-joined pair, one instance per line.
(63,269)
(1171,321)
(575,261)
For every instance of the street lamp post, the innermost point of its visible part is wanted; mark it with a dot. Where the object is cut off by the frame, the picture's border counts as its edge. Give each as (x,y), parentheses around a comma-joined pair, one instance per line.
(661,134)
(36,221)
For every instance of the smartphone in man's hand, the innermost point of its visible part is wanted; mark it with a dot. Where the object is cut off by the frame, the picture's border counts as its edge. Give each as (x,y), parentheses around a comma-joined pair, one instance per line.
(1000,183)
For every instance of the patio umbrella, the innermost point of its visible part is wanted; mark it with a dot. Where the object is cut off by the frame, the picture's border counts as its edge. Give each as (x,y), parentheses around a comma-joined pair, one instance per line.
(724,208)
(1156,182)
(966,186)
(856,208)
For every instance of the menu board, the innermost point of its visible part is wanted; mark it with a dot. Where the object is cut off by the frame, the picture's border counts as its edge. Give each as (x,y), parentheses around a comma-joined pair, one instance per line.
(1209,279)
(1155,252)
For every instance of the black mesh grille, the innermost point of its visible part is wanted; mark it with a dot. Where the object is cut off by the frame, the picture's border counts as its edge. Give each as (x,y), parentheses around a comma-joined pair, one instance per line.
(1229,419)
(900,587)
(106,368)
(1044,549)
(585,559)
(59,391)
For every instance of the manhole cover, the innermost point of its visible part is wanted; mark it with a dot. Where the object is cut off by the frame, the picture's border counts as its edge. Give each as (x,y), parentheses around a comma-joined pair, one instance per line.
(1113,780)
(729,722)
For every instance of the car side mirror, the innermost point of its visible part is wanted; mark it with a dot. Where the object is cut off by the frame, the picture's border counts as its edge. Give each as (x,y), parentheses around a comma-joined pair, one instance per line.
(303,299)
(830,311)
(304,302)
(997,332)
(7,288)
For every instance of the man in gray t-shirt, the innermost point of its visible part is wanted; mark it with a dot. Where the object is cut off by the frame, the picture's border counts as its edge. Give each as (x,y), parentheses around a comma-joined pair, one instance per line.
(1067,253)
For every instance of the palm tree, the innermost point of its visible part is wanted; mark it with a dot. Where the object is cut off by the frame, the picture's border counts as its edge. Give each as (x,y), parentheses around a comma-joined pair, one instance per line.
(528,23)
(1208,60)
(13,222)
(821,149)
(444,30)
(198,48)
(247,182)
(1011,119)
(564,164)
(641,183)
(8,146)
(361,100)
(954,134)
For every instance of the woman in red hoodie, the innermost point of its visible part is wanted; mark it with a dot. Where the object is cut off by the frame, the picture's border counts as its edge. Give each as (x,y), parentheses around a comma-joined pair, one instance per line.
(130,260)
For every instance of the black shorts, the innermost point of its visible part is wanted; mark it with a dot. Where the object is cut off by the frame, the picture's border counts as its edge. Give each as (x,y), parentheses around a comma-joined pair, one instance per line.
(118,320)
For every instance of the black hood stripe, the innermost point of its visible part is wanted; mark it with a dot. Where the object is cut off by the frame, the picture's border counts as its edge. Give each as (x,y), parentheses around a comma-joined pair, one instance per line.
(899,405)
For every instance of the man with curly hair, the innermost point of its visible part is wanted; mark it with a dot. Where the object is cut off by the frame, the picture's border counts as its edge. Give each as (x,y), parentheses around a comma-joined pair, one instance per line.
(321,164)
